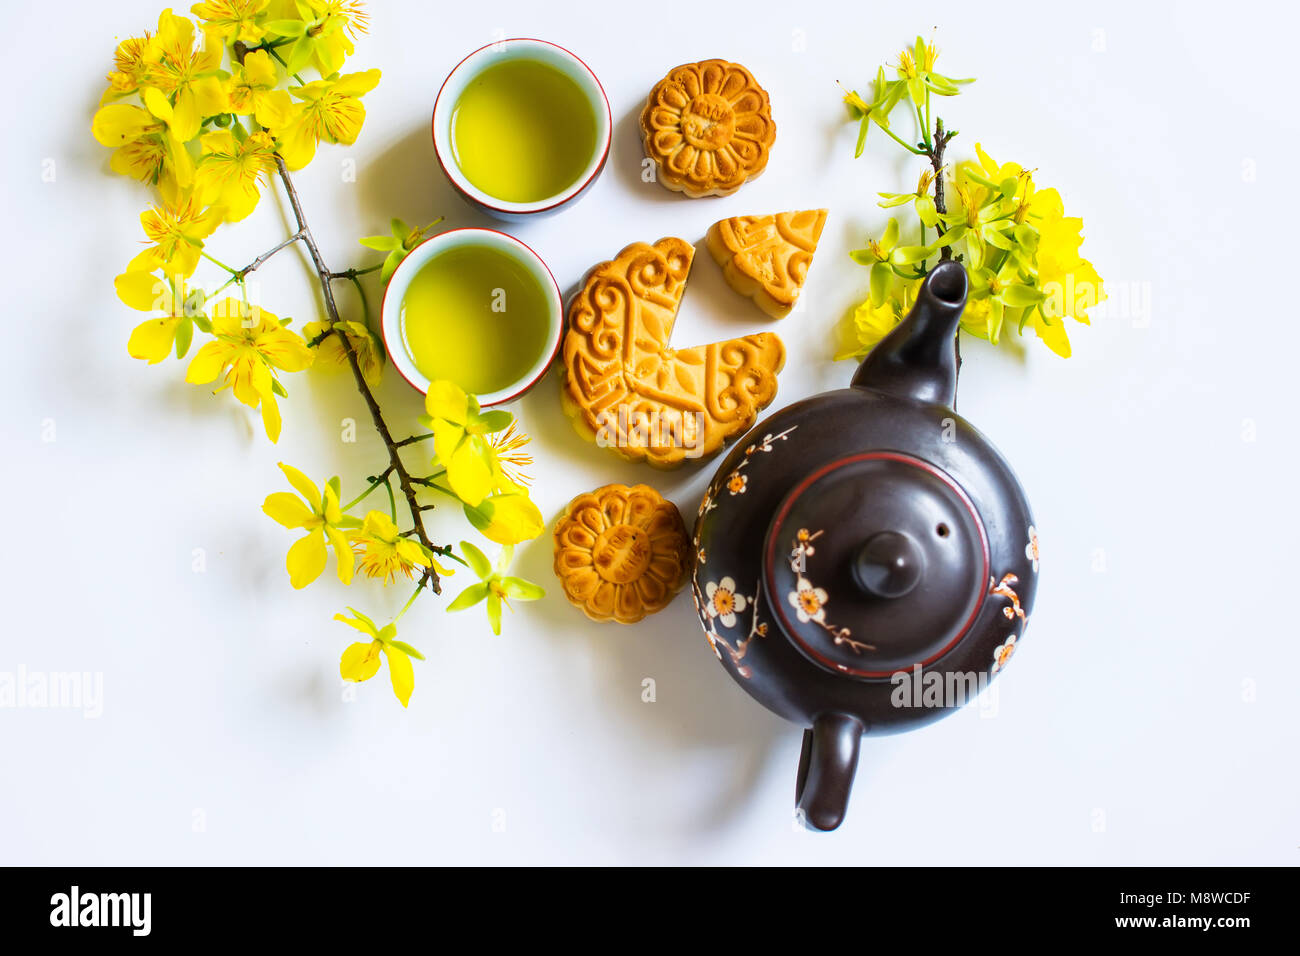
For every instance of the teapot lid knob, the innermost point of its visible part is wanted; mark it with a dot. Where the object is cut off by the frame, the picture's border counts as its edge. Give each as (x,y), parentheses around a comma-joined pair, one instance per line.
(888,565)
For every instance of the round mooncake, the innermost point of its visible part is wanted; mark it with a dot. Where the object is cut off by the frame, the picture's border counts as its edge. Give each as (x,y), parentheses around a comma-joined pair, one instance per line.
(621,552)
(708,127)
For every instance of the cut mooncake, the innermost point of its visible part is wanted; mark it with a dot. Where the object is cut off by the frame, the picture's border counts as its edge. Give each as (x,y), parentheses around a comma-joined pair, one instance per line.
(708,127)
(626,388)
(766,258)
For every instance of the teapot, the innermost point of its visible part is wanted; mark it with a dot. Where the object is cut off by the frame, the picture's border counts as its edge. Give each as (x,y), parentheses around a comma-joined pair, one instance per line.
(865,559)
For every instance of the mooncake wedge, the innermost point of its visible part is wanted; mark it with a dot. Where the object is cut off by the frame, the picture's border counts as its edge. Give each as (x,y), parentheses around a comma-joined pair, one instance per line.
(766,258)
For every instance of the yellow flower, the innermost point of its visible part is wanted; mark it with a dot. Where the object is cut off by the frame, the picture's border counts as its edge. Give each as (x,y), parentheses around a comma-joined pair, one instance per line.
(361,660)
(320,515)
(493,586)
(144,148)
(250,344)
(331,111)
(233,19)
(153,339)
(459,427)
(508,517)
(320,32)
(871,323)
(384,552)
(329,348)
(512,461)
(252,91)
(129,67)
(177,231)
(229,169)
(186,76)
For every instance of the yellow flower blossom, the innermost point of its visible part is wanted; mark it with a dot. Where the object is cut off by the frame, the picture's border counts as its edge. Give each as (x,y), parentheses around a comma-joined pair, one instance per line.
(384,553)
(318,512)
(129,67)
(331,110)
(329,348)
(177,231)
(360,661)
(154,339)
(249,344)
(228,172)
(186,76)
(144,148)
(871,323)
(252,91)
(233,20)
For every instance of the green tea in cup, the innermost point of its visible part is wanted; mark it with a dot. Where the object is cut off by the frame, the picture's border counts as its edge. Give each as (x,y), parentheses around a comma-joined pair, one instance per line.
(523,131)
(521,128)
(475,307)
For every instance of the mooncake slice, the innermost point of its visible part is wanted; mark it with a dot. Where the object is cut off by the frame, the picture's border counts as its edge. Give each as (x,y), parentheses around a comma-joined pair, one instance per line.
(766,258)
(625,386)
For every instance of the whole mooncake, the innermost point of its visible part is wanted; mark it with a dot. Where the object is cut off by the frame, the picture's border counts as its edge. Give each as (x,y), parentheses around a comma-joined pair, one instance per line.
(621,552)
(626,388)
(708,127)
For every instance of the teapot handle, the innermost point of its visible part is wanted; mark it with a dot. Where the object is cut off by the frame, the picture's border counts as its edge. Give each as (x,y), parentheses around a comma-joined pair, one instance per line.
(827,764)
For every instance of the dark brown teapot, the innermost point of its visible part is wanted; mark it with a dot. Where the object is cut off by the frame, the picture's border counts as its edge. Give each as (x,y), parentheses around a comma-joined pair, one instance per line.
(866,559)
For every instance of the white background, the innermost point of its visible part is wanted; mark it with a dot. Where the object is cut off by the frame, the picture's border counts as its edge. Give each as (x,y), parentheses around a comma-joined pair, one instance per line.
(1148,717)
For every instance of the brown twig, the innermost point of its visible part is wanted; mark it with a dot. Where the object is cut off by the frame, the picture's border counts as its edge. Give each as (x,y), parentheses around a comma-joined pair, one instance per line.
(397,466)
(935,154)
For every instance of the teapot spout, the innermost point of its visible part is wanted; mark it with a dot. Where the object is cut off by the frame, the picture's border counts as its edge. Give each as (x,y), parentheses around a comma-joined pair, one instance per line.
(918,359)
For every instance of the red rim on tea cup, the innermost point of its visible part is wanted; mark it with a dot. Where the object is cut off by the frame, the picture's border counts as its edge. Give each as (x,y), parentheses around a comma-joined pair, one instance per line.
(521,48)
(519,252)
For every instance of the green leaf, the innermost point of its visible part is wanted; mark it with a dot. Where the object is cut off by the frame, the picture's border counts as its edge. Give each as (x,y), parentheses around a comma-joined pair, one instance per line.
(522,590)
(995,238)
(926,211)
(494,421)
(278,389)
(881,277)
(890,238)
(371,625)
(393,260)
(184,335)
(863,127)
(1021,296)
(469,597)
(299,54)
(906,255)
(337,484)
(916,90)
(287,28)
(948,238)
(203,323)
(408,649)
(477,560)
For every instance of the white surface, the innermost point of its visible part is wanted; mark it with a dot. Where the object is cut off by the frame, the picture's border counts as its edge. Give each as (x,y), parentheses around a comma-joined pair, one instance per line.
(1125,732)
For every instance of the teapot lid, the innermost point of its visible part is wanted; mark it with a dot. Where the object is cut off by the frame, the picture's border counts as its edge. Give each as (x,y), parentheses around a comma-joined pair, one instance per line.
(876,562)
